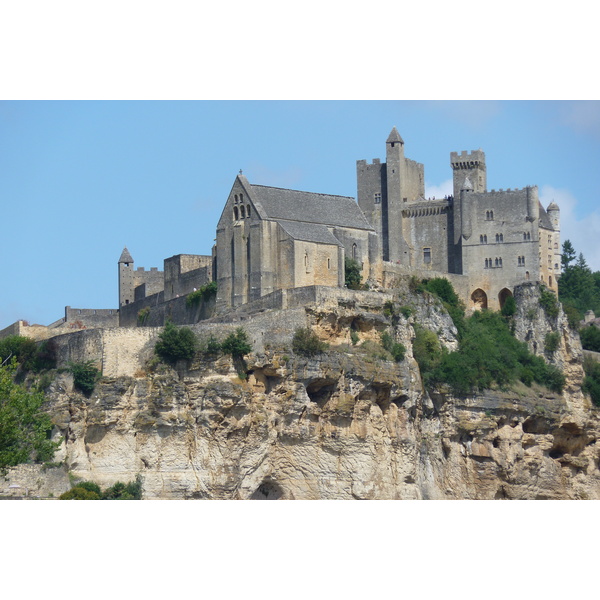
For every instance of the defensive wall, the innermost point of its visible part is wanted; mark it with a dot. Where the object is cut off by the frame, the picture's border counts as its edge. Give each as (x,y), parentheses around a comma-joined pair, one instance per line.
(154,311)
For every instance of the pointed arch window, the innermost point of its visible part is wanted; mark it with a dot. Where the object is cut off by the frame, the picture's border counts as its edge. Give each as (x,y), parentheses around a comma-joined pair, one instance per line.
(248,211)
(242,212)
(235,213)
(354,251)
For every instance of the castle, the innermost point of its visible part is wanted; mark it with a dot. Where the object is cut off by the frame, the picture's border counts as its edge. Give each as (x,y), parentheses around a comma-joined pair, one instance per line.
(270,240)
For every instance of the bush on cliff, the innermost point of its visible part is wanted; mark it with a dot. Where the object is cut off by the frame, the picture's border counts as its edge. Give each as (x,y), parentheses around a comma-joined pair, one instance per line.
(24,428)
(488,356)
(306,342)
(175,343)
(236,344)
(88,490)
(85,376)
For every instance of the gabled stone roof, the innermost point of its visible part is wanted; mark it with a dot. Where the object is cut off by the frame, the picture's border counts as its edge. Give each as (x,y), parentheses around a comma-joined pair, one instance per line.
(309,232)
(308,207)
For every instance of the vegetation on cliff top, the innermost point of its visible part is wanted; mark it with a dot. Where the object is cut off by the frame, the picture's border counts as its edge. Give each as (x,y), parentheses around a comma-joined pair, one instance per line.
(88,490)
(24,428)
(488,354)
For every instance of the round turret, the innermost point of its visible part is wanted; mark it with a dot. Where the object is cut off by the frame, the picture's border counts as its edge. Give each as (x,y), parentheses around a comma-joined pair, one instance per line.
(554,215)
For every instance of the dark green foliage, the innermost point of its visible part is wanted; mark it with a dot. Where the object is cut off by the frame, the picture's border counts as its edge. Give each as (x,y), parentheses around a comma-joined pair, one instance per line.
(87,490)
(175,343)
(306,342)
(24,428)
(354,338)
(573,316)
(90,486)
(591,382)
(206,292)
(590,338)
(578,286)
(488,356)
(509,308)
(22,348)
(394,348)
(236,344)
(353,276)
(30,356)
(427,352)
(549,303)
(124,491)
(405,311)
(443,289)
(213,347)
(79,493)
(85,376)
(551,342)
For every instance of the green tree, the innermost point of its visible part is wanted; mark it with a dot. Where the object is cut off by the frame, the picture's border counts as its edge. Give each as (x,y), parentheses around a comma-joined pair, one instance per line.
(306,342)
(568,254)
(352,272)
(85,376)
(24,428)
(175,343)
(236,344)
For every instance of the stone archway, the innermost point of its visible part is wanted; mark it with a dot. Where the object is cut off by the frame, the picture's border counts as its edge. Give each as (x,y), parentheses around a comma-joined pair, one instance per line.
(479,299)
(503,295)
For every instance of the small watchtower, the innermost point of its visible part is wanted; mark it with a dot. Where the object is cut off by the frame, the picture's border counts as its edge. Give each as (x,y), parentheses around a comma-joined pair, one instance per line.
(126,283)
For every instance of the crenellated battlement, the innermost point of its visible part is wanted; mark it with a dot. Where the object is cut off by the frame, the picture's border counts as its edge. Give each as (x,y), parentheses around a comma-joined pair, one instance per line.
(365,163)
(466,160)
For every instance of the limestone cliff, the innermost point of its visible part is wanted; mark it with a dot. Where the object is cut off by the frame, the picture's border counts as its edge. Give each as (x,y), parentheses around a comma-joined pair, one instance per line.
(344,424)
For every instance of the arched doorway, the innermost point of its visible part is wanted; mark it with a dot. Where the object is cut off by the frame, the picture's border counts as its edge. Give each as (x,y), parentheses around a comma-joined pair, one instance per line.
(503,295)
(479,299)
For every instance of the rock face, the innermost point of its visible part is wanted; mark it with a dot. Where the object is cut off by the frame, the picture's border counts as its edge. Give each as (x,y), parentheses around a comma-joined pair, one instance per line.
(346,424)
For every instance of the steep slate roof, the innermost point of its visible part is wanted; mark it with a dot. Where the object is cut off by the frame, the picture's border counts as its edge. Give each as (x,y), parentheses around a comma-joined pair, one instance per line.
(394,136)
(125,256)
(309,232)
(544,218)
(308,207)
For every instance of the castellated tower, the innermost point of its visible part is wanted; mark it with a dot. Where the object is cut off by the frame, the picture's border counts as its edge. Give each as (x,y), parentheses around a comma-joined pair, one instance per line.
(468,165)
(384,192)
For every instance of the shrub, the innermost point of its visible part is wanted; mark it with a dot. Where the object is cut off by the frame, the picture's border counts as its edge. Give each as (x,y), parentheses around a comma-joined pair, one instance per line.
(353,275)
(590,338)
(509,308)
(143,315)
(549,303)
(79,493)
(206,292)
(591,382)
(551,342)
(87,490)
(427,351)
(175,343)
(213,346)
(20,347)
(306,342)
(406,311)
(398,351)
(354,337)
(24,428)
(236,344)
(85,376)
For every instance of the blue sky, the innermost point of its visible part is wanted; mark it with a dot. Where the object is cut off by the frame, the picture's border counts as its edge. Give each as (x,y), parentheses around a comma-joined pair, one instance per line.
(79,180)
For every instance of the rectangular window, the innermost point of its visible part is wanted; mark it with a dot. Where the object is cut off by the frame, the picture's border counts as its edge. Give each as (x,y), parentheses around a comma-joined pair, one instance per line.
(377,198)
(427,255)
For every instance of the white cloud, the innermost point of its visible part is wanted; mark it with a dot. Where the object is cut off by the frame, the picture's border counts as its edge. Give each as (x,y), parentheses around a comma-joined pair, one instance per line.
(583,233)
(439,191)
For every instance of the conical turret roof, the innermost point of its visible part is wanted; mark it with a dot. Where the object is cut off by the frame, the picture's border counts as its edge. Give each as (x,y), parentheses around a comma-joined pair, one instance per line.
(125,256)
(394,137)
